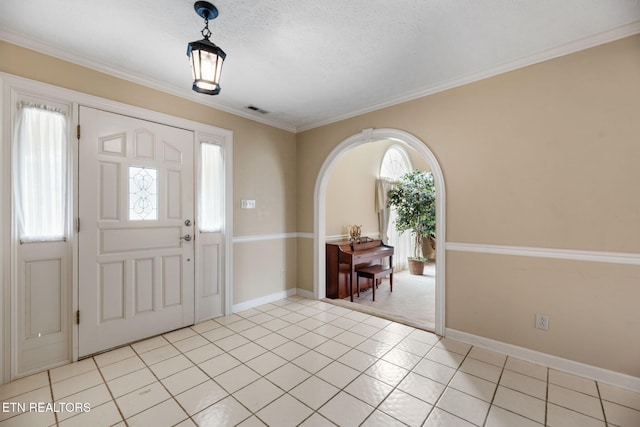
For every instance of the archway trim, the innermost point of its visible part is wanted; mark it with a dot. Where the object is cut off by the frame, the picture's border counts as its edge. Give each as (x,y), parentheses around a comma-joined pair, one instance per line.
(319,226)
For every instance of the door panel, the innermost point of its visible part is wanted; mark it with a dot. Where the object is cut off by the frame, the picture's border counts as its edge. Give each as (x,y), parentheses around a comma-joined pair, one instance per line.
(136,272)
(211,269)
(42,304)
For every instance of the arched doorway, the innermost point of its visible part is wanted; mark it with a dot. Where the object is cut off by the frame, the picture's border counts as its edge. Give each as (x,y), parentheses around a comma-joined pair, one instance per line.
(319,233)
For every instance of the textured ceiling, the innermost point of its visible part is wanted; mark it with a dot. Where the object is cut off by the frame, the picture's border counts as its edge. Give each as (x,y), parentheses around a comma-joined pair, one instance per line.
(311,62)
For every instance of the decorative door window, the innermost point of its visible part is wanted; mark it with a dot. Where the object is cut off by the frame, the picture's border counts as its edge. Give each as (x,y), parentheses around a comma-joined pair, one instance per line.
(143,194)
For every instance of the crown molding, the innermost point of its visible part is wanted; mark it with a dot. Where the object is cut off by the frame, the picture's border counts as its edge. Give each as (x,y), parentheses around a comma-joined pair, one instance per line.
(545,55)
(92,64)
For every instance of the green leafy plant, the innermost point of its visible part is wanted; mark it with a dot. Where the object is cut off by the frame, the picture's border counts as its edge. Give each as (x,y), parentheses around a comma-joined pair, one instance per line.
(414,198)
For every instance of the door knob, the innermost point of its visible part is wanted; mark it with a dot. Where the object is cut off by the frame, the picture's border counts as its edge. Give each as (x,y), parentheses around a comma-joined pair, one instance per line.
(186,238)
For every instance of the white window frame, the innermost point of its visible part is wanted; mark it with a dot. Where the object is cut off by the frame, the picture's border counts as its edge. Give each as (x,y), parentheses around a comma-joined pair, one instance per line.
(405,157)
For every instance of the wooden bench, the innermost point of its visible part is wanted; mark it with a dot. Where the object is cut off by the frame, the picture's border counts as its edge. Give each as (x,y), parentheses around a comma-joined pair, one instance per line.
(374,272)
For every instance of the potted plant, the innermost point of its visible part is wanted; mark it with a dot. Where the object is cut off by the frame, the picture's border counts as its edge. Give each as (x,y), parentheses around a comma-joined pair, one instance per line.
(414,198)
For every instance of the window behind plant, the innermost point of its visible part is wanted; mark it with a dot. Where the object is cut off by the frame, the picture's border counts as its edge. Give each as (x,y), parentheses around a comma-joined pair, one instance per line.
(394,165)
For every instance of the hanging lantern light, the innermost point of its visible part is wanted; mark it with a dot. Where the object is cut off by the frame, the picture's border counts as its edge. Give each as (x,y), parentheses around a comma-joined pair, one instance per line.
(206,58)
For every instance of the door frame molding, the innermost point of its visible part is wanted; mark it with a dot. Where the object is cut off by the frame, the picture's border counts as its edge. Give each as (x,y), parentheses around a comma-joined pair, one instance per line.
(320,198)
(9,83)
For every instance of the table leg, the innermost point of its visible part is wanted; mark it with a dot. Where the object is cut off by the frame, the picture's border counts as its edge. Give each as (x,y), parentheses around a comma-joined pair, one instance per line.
(351,283)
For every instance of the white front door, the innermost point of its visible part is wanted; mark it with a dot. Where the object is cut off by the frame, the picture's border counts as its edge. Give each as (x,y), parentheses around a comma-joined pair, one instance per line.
(136,211)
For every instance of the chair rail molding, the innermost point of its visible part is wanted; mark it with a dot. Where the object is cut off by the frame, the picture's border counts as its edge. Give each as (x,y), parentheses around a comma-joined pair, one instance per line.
(565,254)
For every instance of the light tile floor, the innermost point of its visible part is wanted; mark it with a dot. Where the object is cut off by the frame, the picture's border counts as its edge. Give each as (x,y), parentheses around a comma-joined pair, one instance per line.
(303,362)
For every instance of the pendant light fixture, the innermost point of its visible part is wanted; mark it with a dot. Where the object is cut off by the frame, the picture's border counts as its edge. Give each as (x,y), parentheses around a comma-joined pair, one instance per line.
(206,58)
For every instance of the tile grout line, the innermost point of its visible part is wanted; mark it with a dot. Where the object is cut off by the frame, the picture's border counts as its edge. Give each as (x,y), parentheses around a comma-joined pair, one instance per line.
(546,405)
(604,414)
(312,374)
(434,406)
(58,422)
(241,364)
(343,389)
(244,363)
(567,388)
(495,392)
(375,408)
(189,416)
(55,414)
(447,385)
(106,384)
(316,411)
(206,374)
(160,381)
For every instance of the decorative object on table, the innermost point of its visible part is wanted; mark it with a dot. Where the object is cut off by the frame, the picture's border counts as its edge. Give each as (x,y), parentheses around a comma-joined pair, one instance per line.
(414,198)
(354,233)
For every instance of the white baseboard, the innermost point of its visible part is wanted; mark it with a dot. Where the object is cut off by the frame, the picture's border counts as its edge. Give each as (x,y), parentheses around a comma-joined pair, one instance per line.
(304,293)
(262,300)
(588,371)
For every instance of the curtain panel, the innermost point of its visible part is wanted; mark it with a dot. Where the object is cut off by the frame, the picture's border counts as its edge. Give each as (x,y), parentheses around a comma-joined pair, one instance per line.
(40,173)
(211,206)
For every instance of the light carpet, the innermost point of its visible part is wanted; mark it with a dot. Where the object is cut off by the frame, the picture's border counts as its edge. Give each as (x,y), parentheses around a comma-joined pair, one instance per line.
(412,301)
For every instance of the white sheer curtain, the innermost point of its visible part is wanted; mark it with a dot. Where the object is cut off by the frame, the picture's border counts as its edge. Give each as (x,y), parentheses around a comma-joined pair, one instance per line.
(402,243)
(394,165)
(40,173)
(211,209)
(383,185)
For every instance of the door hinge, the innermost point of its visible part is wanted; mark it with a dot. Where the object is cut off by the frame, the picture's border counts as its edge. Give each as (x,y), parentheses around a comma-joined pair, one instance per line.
(77,225)
(78,132)
(78,317)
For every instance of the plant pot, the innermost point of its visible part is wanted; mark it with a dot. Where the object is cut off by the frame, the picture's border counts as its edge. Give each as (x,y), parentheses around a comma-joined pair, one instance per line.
(416,266)
(429,248)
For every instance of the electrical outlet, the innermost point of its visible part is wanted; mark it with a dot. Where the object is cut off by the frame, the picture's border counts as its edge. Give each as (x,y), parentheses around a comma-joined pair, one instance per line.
(542,322)
(248,204)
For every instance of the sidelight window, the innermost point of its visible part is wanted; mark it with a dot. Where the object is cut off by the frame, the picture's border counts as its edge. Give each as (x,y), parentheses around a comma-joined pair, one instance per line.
(394,165)
(211,206)
(40,172)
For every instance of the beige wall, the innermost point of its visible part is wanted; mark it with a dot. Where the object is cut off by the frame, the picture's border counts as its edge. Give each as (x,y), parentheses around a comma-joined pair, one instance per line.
(545,156)
(264,164)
